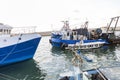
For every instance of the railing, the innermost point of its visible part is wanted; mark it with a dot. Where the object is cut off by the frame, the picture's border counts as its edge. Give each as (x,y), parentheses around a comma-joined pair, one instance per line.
(20,30)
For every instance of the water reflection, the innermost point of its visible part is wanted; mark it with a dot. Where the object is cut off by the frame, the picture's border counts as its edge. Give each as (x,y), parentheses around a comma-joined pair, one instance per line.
(26,70)
(102,57)
(60,52)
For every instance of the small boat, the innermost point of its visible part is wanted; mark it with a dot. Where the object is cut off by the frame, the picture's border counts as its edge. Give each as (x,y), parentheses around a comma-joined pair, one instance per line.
(18,47)
(89,45)
(101,73)
(107,73)
(67,36)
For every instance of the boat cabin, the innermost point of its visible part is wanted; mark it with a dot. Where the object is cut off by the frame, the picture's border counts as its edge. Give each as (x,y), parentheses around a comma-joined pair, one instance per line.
(5,29)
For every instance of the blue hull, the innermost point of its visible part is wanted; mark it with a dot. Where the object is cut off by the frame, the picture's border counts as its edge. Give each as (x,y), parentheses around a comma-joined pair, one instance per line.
(19,52)
(58,42)
(55,42)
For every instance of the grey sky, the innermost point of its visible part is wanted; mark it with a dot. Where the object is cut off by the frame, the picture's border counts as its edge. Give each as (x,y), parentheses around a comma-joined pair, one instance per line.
(44,13)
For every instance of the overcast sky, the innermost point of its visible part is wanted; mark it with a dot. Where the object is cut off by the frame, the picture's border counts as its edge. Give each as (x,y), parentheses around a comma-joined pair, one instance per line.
(48,14)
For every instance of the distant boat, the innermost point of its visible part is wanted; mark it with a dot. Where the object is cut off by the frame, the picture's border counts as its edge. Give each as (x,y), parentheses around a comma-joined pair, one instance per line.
(16,48)
(66,36)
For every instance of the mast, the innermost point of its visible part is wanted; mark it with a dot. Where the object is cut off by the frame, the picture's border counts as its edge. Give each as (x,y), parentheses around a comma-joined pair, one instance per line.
(86,24)
(66,24)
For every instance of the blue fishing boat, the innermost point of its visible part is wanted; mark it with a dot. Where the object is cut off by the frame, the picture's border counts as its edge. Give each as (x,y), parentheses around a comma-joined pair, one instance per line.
(67,36)
(18,47)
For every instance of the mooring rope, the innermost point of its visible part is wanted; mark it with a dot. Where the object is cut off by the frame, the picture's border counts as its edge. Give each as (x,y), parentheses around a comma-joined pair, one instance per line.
(77,59)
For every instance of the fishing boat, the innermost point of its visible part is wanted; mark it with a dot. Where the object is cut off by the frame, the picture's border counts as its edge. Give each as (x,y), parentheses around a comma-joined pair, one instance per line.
(18,47)
(67,36)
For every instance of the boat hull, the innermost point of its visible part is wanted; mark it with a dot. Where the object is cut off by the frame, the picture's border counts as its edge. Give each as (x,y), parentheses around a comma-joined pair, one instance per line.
(22,50)
(61,43)
(64,43)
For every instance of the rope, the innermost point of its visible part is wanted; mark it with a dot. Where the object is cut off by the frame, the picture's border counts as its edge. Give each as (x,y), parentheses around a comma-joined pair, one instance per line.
(77,59)
(11,50)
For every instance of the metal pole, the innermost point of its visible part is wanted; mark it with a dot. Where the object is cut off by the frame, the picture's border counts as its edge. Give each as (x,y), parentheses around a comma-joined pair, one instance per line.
(109,24)
(116,23)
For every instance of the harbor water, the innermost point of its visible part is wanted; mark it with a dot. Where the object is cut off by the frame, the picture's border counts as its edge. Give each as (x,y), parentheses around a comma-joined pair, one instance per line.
(49,62)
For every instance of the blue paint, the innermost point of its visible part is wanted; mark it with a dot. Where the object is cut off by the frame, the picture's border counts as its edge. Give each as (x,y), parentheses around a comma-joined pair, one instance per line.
(79,77)
(71,78)
(87,59)
(56,42)
(19,52)
(78,51)
(92,71)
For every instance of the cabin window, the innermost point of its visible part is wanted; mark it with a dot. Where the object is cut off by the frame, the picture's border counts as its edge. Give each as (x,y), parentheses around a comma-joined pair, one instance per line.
(9,31)
(4,30)
(67,33)
(75,33)
(91,45)
(96,45)
(1,30)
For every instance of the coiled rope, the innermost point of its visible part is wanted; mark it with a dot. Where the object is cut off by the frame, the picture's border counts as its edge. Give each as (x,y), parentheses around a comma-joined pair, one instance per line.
(77,60)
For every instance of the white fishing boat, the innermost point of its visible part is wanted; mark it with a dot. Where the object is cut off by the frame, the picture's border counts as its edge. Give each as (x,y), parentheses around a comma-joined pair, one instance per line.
(17,47)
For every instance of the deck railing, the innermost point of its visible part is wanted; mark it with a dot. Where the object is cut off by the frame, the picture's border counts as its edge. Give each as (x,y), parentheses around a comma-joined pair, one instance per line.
(20,30)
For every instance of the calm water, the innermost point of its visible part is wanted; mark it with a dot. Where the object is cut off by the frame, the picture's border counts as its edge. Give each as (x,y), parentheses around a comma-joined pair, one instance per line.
(49,62)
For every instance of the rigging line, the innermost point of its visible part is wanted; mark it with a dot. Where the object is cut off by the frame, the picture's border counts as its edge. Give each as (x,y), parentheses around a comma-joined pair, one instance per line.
(11,50)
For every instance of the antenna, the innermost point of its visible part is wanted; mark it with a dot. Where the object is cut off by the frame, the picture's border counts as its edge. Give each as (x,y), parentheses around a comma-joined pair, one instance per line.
(66,24)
